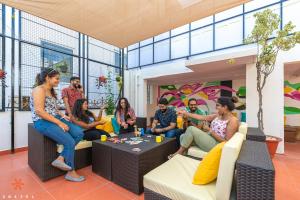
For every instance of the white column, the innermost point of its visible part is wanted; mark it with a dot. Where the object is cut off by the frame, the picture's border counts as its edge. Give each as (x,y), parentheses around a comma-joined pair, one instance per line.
(273,102)
(251,96)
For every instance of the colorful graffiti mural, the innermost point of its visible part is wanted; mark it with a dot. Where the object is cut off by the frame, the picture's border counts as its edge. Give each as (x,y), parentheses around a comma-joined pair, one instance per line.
(178,96)
(292,91)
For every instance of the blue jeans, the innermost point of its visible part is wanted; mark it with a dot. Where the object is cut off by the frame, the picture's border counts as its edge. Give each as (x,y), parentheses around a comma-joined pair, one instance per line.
(67,139)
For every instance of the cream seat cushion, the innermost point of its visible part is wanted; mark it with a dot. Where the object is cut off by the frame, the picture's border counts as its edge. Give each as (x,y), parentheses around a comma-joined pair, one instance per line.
(196,152)
(81,145)
(173,179)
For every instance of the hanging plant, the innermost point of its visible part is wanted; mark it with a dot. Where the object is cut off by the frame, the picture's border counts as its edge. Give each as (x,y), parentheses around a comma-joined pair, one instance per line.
(3,77)
(101,81)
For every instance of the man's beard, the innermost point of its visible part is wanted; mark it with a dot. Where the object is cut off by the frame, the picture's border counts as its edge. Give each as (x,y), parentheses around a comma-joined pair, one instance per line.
(75,86)
(192,110)
(163,110)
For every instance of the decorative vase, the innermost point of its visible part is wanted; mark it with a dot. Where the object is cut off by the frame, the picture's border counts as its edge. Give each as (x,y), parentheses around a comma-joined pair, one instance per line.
(272,144)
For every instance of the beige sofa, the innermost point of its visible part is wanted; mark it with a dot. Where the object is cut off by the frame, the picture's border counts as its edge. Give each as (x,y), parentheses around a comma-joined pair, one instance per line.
(196,152)
(173,179)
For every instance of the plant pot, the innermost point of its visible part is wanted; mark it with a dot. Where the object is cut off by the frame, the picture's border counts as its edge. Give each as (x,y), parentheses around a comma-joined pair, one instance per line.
(272,143)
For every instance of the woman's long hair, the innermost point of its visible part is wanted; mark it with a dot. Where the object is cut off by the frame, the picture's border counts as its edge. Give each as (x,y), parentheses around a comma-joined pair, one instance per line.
(79,113)
(119,107)
(40,78)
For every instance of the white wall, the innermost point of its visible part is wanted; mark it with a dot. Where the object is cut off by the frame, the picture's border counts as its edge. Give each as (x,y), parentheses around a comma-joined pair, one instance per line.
(5,131)
(21,130)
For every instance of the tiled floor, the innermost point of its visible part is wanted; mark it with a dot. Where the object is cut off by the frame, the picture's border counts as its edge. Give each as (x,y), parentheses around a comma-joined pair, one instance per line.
(17,181)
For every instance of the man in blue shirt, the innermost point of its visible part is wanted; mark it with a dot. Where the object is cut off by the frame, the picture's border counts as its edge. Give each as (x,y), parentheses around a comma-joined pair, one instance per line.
(165,121)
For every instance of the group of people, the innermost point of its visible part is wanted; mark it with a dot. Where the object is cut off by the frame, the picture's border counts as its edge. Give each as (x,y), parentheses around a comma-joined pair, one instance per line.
(79,123)
(76,123)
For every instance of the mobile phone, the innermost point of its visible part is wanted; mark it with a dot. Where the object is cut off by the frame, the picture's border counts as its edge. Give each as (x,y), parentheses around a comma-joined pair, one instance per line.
(79,86)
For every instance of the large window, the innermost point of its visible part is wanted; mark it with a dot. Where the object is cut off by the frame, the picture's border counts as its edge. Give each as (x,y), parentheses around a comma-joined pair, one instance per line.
(146,55)
(45,44)
(228,33)
(162,51)
(201,40)
(290,8)
(226,29)
(180,46)
(133,58)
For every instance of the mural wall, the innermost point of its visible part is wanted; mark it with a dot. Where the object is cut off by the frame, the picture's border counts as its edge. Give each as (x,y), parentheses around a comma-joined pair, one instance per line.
(292,100)
(206,94)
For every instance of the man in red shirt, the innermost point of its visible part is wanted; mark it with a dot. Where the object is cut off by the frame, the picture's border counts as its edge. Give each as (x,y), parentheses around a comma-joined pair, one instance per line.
(71,94)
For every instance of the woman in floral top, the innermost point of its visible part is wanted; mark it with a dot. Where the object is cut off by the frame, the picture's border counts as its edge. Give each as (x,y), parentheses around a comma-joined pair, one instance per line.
(223,126)
(125,116)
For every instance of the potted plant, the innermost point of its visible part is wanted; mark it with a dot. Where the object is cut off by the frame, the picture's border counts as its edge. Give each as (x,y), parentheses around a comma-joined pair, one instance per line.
(109,100)
(267,23)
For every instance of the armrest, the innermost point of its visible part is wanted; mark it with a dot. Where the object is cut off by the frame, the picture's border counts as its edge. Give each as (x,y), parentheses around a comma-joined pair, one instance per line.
(255,175)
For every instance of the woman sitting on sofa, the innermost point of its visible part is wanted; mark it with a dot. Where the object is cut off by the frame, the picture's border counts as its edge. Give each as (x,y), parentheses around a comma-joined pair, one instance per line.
(87,120)
(49,121)
(125,116)
(223,126)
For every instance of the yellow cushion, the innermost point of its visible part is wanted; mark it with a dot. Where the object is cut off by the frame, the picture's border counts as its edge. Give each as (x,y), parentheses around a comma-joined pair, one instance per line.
(107,126)
(207,170)
(180,122)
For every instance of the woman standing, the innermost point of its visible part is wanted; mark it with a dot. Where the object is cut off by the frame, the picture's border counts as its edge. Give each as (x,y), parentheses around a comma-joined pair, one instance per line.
(125,116)
(50,122)
(223,126)
(87,120)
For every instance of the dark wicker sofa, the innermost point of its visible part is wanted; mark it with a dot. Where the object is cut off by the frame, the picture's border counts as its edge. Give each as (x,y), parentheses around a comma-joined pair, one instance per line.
(42,151)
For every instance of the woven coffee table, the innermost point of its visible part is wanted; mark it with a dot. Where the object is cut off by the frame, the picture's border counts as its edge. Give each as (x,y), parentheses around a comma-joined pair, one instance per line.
(117,162)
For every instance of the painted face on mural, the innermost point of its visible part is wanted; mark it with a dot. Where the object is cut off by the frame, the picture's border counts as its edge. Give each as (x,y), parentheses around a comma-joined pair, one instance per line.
(162,107)
(193,106)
